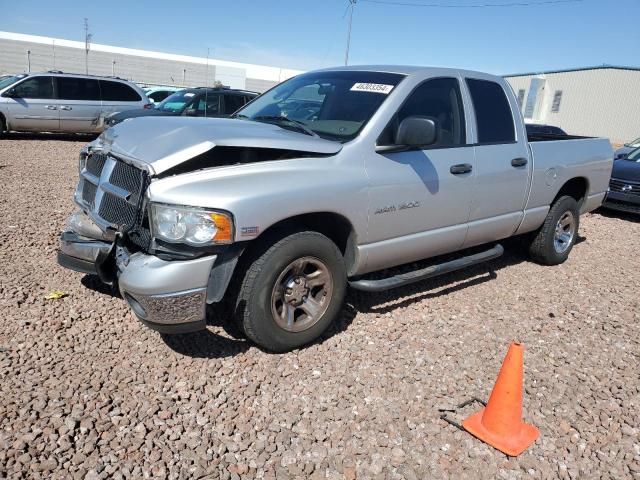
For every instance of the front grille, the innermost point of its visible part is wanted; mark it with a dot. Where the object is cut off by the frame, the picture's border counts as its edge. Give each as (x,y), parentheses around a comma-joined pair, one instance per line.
(95,163)
(117,211)
(89,193)
(624,186)
(112,191)
(127,177)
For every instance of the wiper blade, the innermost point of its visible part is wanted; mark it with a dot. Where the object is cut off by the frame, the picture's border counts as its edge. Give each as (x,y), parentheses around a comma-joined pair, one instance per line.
(278,119)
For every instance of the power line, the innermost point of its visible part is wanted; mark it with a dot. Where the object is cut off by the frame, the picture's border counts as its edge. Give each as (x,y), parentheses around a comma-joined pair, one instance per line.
(480,5)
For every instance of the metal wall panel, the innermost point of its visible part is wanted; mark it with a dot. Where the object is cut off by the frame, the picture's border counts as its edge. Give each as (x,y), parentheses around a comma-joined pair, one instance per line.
(602,102)
(140,66)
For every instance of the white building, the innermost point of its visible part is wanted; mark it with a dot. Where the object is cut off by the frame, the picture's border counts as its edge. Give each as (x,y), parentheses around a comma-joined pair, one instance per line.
(31,53)
(597,101)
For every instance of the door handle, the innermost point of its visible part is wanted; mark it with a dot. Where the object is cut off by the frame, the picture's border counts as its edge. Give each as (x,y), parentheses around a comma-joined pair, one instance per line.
(51,107)
(519,162)
(461,168)
(65,107)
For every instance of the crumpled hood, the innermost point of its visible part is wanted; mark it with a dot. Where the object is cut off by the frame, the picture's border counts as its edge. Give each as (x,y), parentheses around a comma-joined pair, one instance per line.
(165,142)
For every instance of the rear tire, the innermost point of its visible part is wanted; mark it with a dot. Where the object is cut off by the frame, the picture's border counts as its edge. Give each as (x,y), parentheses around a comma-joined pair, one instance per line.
(292,291)
(3,126)
(553,242)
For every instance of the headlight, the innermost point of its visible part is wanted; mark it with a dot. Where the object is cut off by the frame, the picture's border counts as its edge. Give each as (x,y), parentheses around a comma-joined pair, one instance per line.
(191,225)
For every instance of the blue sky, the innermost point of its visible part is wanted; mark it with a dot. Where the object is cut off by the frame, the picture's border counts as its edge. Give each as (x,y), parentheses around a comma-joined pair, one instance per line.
(308,34)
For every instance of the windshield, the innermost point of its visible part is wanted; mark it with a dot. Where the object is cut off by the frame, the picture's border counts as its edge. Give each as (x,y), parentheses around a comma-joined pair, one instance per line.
(176,102)
(634,155)
(7,80)
(635,143)
(332,105)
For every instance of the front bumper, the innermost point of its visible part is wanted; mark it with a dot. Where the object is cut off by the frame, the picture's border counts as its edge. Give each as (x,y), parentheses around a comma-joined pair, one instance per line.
(167,296)
(622,201)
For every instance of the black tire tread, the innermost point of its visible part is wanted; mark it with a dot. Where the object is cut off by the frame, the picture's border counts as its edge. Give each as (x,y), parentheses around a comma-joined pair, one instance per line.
(541,247)
(248,284)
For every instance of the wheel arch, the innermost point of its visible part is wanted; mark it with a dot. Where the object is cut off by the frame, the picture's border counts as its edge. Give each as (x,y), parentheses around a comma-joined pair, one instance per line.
(333,225)
(576,187)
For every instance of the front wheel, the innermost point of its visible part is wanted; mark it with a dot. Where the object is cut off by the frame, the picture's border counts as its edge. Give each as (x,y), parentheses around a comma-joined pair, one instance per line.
(552,244)
(292,292)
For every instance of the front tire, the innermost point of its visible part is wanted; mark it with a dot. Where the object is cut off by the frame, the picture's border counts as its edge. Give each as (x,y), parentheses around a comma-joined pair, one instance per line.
(552,244)
(292,292)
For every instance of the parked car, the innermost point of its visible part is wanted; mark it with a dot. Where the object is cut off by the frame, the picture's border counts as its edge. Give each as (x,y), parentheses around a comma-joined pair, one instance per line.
(542,129)
(64,102)
(192,102)
(627,148)
(624,186)
(277,215)
(157,94)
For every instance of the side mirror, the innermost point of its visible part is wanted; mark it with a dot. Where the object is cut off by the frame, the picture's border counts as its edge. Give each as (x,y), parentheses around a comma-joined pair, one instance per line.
(417,131)
(191,112)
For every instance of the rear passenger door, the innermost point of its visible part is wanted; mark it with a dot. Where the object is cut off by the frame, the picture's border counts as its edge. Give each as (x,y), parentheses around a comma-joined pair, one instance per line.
(32,106)
(79,104)
(502,166)
(118,97)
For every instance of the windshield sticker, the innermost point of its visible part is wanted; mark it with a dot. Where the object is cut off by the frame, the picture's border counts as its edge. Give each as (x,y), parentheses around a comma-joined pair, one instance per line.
(189,94)
(372,88)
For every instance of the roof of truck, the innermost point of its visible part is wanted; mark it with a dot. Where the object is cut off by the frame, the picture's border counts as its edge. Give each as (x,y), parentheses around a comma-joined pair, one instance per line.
(402,69)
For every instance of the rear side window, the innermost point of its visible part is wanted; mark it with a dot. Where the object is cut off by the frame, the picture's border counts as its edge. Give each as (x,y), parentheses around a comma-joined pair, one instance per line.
(35,87)
(493,114)
(71,88)
(118,92)
(233,103)
(159,95)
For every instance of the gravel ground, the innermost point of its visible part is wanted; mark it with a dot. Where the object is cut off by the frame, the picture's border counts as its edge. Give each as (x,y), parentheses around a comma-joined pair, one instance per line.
(87,392)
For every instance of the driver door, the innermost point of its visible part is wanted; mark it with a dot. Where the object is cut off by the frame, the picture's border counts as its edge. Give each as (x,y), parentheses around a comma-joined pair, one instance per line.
(420,205)
(33,106)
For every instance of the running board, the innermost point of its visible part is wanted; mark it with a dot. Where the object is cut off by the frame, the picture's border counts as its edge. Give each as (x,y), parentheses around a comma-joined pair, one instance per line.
(403,279)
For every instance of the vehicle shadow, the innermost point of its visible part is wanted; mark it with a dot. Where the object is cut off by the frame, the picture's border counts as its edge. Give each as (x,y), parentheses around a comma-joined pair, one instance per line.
(93,282)
(202,344)
(608,213)
(205,344)
(66,137)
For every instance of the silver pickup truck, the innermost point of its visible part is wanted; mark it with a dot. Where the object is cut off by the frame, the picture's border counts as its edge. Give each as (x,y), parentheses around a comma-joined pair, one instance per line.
(324,179)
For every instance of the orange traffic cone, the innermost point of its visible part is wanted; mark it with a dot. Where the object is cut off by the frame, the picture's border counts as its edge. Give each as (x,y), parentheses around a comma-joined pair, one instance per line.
(500,423)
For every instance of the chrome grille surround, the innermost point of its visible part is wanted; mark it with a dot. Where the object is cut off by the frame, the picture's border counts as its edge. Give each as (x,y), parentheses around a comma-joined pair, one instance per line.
(110,191)
(624,186)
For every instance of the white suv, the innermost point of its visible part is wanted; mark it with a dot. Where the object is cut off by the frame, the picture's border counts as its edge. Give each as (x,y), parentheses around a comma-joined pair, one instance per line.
(61,102)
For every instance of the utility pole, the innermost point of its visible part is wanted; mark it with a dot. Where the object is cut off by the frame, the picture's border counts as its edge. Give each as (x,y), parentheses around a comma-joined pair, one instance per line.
(351,8)
(113,68)
(29,61)
(53,44)
(87,43)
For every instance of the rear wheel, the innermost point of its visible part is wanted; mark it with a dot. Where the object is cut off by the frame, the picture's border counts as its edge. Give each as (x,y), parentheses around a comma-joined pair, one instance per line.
(554,241)
(292,292)
(3,126)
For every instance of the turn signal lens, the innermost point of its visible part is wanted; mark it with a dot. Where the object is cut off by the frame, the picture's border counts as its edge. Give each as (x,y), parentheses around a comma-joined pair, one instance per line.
(225,228)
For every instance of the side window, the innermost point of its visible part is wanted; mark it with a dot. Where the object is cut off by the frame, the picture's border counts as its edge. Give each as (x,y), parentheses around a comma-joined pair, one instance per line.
(159,95)
(440,100)
(233,103)
(209,106)
(35,87)
(72,88)
(493,115)
(118,92)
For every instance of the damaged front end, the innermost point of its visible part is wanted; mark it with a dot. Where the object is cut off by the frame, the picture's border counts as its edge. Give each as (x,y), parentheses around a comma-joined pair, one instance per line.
(110,237)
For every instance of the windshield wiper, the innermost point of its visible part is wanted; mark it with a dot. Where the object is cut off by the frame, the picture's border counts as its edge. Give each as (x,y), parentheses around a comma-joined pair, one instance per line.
(279,119)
